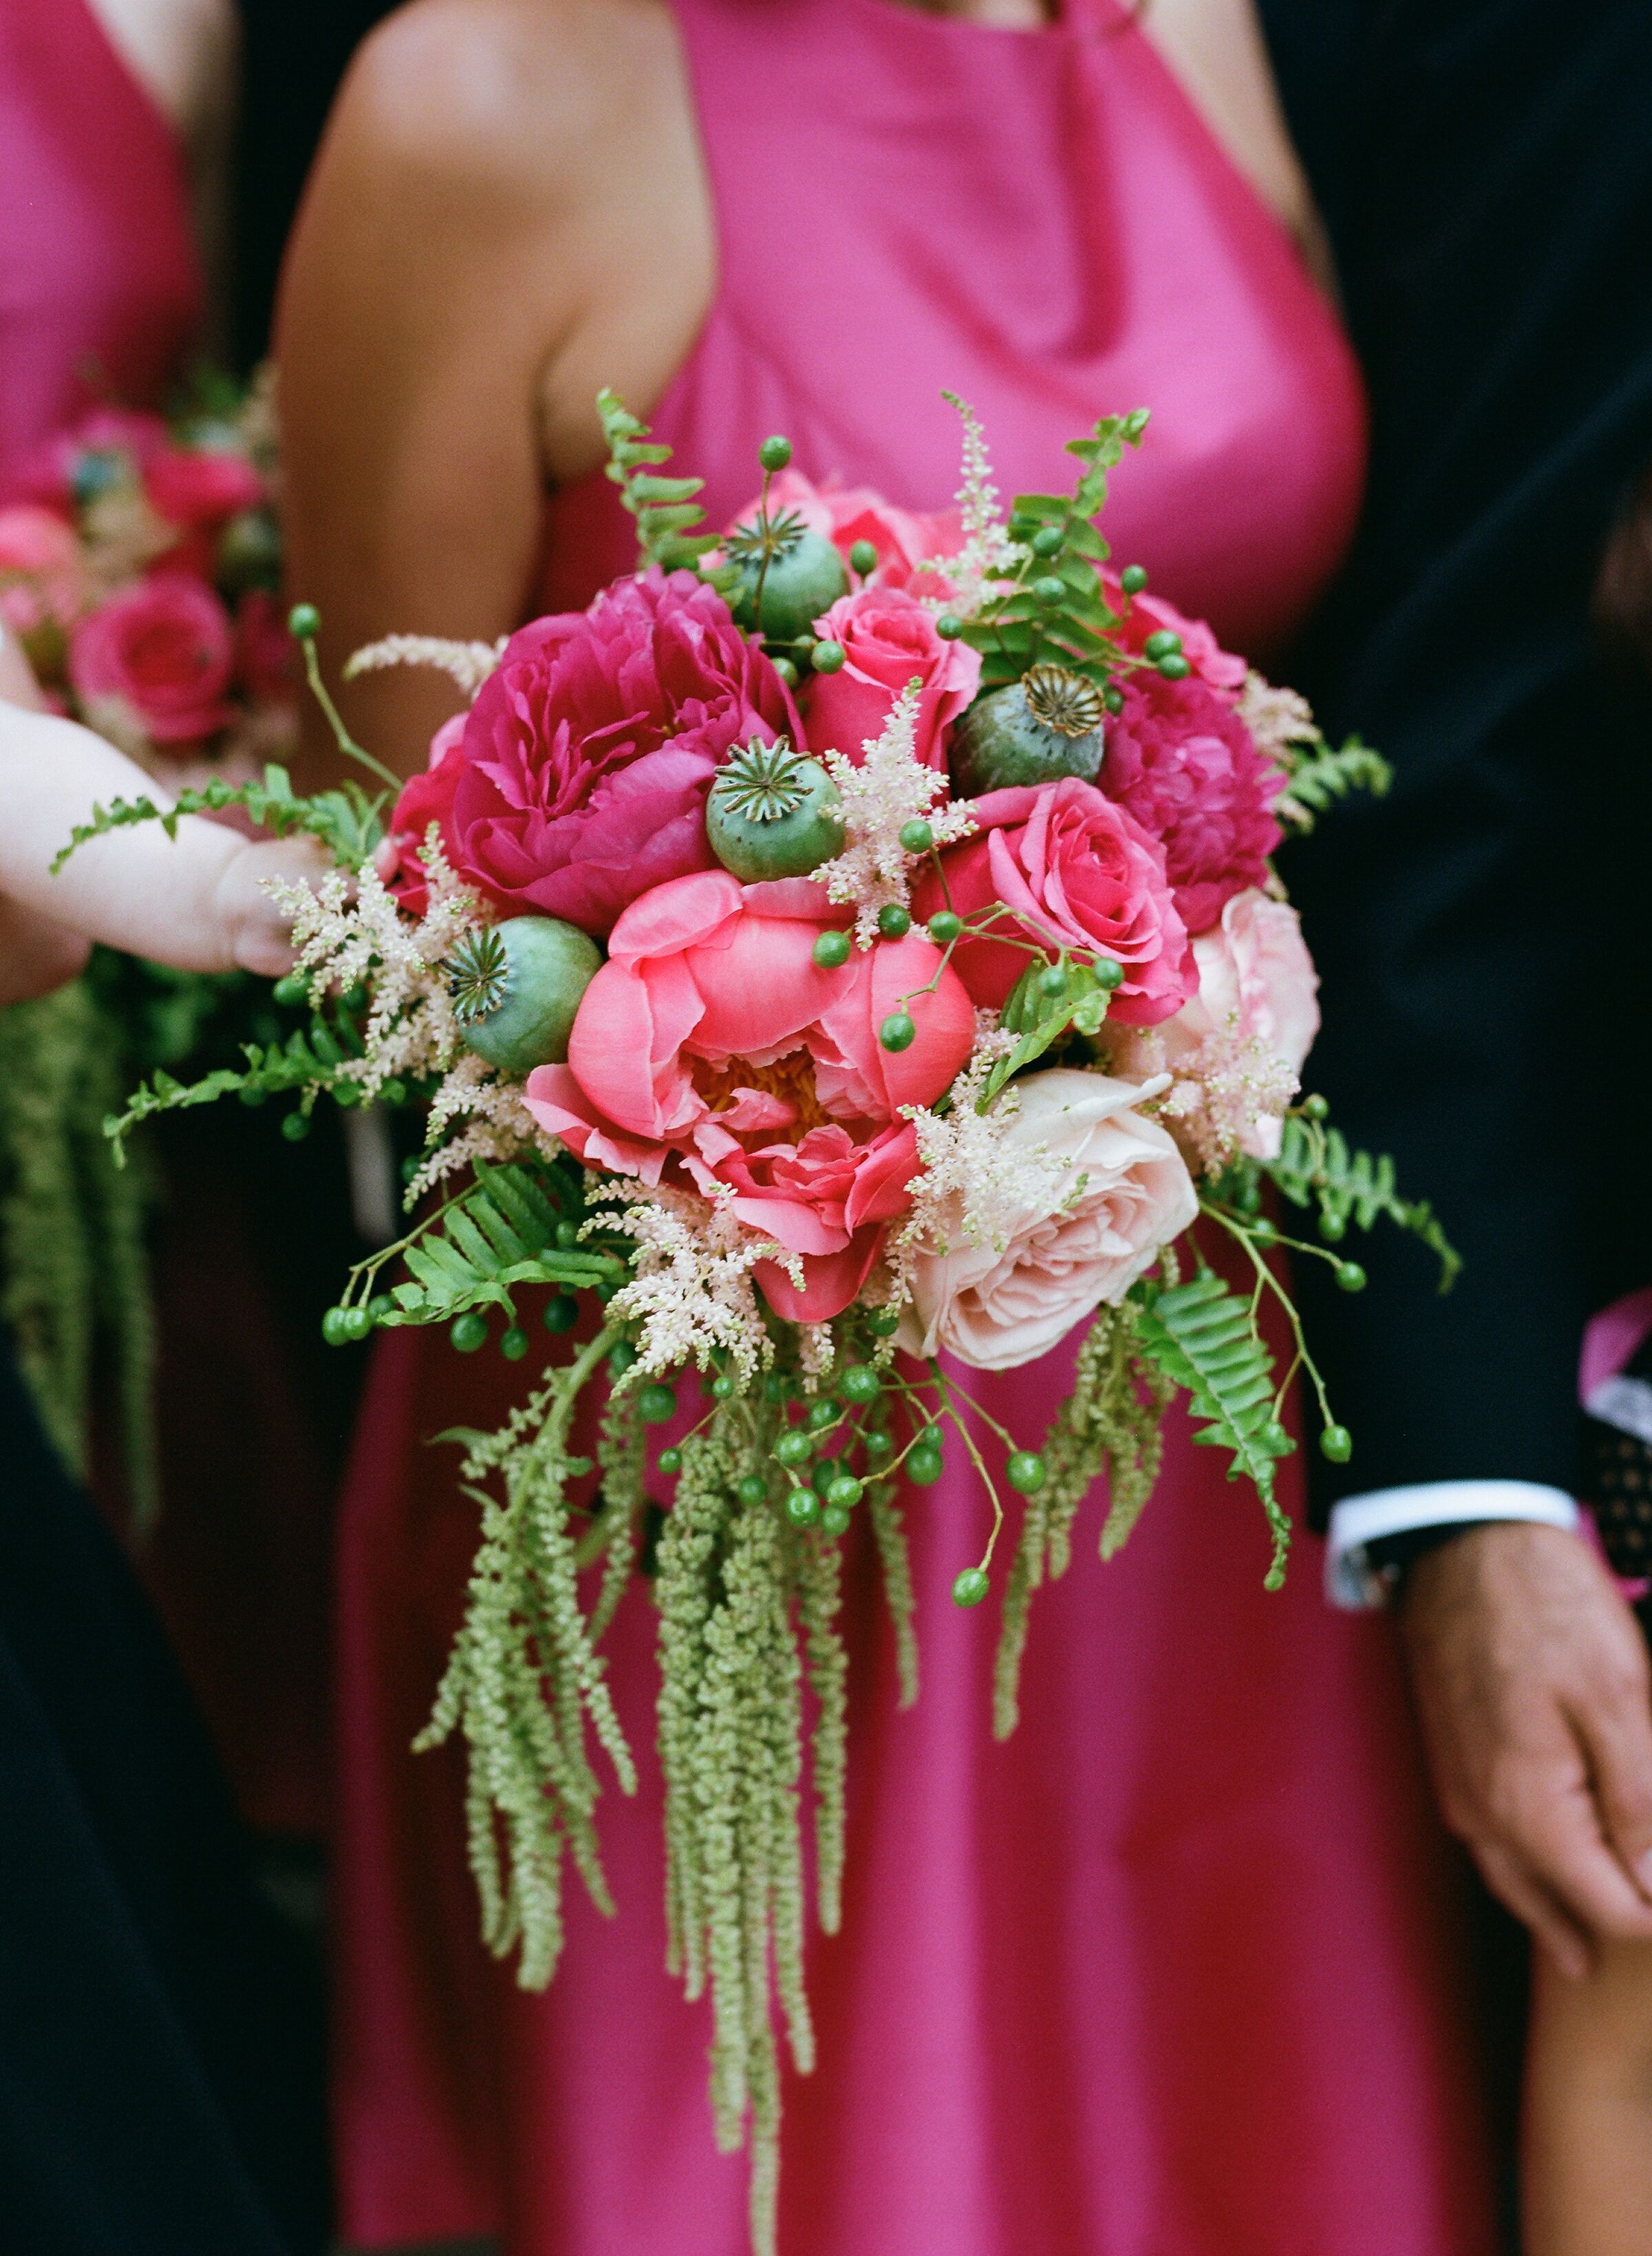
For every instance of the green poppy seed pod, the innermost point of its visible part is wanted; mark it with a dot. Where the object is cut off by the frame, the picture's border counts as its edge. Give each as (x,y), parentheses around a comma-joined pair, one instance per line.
(772,813)
(1033,731)
(800,573)
(517,987)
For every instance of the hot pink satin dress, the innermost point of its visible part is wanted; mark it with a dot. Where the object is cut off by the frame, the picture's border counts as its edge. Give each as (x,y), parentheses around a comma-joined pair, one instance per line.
(1166,1975)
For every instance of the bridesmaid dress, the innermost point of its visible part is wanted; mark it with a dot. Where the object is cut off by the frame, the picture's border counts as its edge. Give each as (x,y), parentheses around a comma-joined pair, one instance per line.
(1169,1974)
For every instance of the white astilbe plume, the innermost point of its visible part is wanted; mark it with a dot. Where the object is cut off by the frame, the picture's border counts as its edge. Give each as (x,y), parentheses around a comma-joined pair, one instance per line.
(890,787)
(1225,1097)
(988,555)
(467,663)
(1276,719)
(342,938)
(690,1288)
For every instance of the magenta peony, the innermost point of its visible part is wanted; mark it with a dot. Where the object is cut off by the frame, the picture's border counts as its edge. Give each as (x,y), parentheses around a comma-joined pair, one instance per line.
(158,658)
(712,1051)
(1185,764)
(888,638)
(588,755)
(1078,873)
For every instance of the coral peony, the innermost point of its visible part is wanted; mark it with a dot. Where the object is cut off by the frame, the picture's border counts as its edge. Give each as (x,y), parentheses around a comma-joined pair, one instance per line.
(904,539)
(156,663)
(1185,764)
(711,1050)
(888,639)
(588,754)
(1077,872)
(1089,1228)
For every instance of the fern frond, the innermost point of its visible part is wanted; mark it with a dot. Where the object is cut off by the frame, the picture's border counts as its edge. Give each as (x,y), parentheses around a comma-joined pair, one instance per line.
(664,509)
(346,820)
(501,1234)
(1325,774)
(1204,1339)
(1316,1168)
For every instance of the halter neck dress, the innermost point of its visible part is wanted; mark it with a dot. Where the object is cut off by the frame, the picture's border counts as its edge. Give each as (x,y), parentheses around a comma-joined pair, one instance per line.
(1164,1975)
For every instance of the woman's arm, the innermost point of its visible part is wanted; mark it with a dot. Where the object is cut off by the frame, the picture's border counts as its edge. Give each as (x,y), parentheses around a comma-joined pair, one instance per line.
(506,213)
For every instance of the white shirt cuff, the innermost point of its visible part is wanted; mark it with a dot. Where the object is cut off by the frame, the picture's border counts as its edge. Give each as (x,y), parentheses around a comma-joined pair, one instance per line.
(1360,1519)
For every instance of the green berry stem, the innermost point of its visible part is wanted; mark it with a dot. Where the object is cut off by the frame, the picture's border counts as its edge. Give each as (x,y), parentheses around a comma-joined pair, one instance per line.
(1266,1279)
(319,690)
(978,1463)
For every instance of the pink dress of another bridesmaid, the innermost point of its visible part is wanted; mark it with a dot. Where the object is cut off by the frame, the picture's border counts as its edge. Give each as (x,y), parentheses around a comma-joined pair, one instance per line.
(1165,1975)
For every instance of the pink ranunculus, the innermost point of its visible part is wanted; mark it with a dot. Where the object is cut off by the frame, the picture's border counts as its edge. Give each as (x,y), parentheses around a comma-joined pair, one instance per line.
(590,752)
(197,490)
(888,639)
(161,654)
(1147,614)
(1084,1232)
(1077,872)
(42,584)
(711,1050)
(904,539)
(424,799)
(1182,761)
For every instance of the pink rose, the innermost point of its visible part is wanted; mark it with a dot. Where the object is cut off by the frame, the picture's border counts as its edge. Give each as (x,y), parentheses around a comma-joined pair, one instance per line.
(589,753)
(1076,872)
(888,639)
(904,537)
(1087,1228)
(42,585)
(161,655)
(1187,768)
(712,1051)
(200,490)
(1147,614)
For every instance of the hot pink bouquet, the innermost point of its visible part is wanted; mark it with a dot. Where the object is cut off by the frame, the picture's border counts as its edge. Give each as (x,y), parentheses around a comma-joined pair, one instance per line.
(846,954)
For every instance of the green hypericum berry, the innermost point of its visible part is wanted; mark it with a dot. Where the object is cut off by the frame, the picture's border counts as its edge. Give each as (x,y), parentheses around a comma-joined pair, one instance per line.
(656,1404)
(949,626)
(295,1127)
(925,1467)
(357,1323)
(1113,698)
(786,670)
(562,1312)
(1175,668)
(894,921)
(1337,1443)
(1052,980)
(825,1471)
(944,927)
(1048,589)
(828,657)
(1107,973)
(381,1306)
(775,453)
(831,950)
(621,1356)
(1315,1108)
(291,991)
(1162,644)
(775,1386)
(794,1448)
(333,1326)
(897,1031)
(862,1382)
(916,837)
(1350,1276)
(884,1324)
(724,1388)
(971,1587)
(863,558)
(752,1489)
(304,622)
(1133,579)
(835,1520)
(469,1332)
(844,1490)
(1047,540)
(1332,1229)
(1275,1440)
(822,1414)
(1025,1472)
(878,1443)
(514,1345)
(671,1461)
(803,1507)
(567,1234)
(1263,1231)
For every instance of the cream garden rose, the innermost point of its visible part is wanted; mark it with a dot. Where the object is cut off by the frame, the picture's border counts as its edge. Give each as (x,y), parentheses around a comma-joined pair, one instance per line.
(1113,1190)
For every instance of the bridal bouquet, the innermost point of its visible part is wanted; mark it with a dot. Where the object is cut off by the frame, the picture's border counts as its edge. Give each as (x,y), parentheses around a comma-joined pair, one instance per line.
(847,955)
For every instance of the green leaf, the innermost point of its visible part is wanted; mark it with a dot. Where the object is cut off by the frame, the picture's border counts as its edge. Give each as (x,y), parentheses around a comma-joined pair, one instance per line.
(1204,1339)
(1316,1168)
(1322,776)
(665,508)
(346,820)
(500,1234)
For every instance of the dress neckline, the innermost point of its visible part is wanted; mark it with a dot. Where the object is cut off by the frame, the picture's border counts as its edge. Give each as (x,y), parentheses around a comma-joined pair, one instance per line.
(122,67)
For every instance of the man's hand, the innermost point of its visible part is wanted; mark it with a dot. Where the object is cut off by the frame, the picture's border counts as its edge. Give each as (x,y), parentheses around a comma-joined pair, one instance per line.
(1532,1682)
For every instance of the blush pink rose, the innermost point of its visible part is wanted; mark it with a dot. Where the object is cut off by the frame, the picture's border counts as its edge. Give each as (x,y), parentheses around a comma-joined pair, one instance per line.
(904,539)
(1149,614)
(589,753)
(1183,761)
(888,639)
(712,1051)
(1089,1225)
(1076,872)
(161,654)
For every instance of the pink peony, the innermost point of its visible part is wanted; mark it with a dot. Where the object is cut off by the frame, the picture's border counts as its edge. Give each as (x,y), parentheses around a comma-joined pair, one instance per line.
(1083,1233)
(1147,614)
(1187,768)
(589,753)
(904,537)
(712,1051)
(161,656)
(1078,873)
(888,639)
